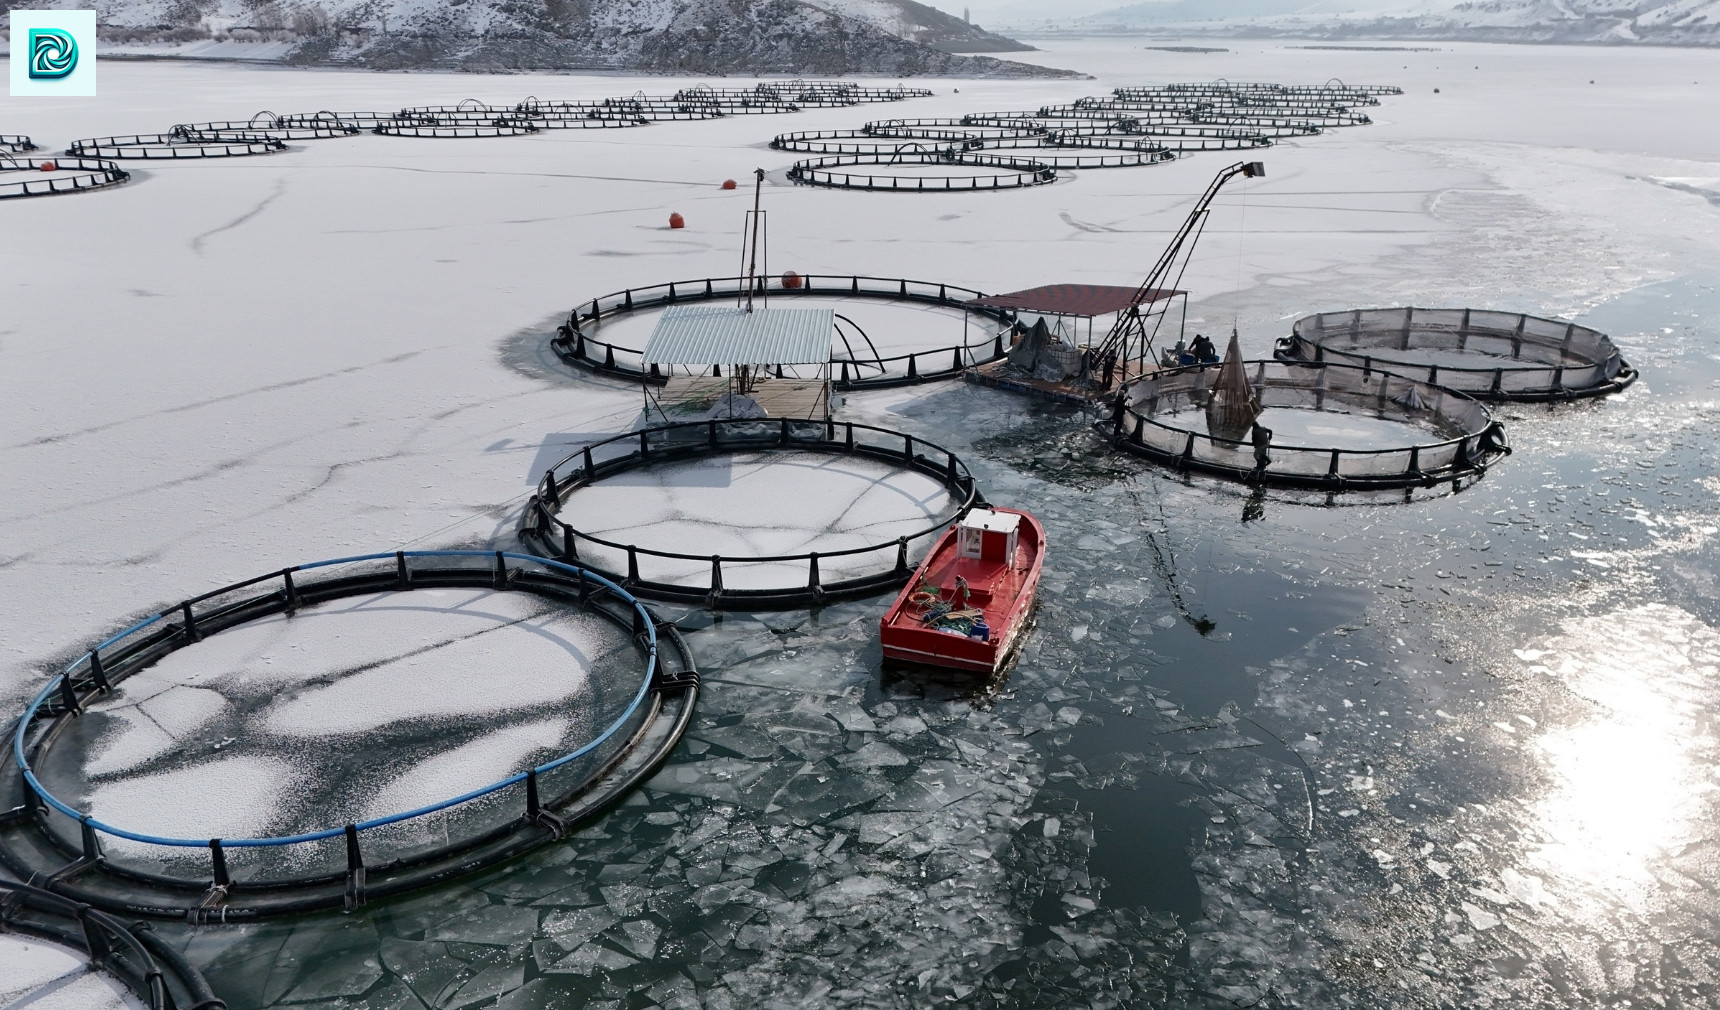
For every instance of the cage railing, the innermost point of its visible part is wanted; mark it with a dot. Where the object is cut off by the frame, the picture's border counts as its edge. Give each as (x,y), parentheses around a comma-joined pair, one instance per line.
(87,676)
(1552,359)
(79,173)
(573,345)
(1478,440)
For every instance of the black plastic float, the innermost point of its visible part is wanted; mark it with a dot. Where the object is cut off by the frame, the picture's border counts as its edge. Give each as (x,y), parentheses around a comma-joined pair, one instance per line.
(156,973)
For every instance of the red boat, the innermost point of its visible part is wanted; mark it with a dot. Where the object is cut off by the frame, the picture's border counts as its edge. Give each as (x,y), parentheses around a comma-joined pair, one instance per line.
(970,601)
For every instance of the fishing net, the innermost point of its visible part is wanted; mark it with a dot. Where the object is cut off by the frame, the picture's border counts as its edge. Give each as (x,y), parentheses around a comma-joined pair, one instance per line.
(1488,355)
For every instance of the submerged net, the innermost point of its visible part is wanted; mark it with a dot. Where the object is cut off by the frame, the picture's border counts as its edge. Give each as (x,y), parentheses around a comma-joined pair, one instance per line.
(1490,355)
(1160,417)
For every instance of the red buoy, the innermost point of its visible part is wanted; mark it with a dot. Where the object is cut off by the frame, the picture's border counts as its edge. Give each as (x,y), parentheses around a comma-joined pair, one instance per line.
(728,184)
(790,279)
(48,166)
(677,221)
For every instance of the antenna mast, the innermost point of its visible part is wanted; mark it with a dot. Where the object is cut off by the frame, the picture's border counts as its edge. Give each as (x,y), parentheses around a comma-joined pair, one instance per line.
(756,219)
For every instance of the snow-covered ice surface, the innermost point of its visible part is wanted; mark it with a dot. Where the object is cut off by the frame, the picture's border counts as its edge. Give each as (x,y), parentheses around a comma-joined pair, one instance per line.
(43,976)
(752,505)
(886,328)
(357,708)
(1452,751)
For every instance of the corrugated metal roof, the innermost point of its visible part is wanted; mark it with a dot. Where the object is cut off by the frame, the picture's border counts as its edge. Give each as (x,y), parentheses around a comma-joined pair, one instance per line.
(724,335)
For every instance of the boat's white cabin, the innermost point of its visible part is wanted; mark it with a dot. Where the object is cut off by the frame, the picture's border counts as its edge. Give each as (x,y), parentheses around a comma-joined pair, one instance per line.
(985,535)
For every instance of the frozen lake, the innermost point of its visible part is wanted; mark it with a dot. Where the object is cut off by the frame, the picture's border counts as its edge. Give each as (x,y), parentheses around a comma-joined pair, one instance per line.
(1449,751)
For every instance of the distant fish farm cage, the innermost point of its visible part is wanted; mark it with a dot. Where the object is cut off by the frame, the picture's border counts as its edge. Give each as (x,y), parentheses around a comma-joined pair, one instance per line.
(267,124)
(1485,354)
(904,171)
(1164,418)
(1145,126)
(21,177)
(268,133)
(175,145)
(424,125)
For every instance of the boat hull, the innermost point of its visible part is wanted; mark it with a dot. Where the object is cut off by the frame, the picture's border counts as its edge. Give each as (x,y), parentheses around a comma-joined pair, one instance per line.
(1006,594)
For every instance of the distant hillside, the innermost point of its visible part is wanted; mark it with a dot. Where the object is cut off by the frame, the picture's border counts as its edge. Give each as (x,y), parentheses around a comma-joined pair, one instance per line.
(928,25)
(711,37)
(1665,22)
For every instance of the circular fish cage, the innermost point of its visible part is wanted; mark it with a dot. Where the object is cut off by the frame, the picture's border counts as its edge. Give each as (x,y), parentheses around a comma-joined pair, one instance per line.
(175,145)
(1538,359)
(267,124)
(412,833)
(852,369)
(1156,417)
(863,142)
(870,458)
(758,101)
(159,976)
(1068,161)
(988,172)
(609,113)
(456,126)
(21,177)
(325,119)
(1168,138)
(15,143)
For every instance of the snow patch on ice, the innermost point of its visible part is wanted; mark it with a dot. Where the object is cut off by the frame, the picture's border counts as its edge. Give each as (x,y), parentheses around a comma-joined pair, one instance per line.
(235,797)
(484,760)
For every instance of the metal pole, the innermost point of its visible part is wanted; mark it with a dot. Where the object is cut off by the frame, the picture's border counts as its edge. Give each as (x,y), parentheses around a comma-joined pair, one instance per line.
(752,268)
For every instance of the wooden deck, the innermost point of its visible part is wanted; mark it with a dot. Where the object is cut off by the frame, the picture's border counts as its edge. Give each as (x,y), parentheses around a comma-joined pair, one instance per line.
(802,399)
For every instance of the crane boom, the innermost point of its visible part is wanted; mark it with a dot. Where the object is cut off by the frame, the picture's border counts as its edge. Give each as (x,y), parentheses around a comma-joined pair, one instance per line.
(1132,322)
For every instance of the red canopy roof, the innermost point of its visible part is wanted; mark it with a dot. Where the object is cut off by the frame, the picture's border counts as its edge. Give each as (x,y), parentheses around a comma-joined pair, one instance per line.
(1074,299)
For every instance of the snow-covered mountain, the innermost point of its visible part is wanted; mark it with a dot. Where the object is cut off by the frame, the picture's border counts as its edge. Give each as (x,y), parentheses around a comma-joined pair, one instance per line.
(1667,22)
(892,37)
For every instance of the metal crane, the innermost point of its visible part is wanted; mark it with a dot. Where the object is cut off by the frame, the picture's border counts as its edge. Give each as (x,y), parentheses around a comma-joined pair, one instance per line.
(1131,325)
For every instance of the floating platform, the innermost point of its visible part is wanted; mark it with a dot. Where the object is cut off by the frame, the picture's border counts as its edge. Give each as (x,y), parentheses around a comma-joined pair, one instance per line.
(796,399)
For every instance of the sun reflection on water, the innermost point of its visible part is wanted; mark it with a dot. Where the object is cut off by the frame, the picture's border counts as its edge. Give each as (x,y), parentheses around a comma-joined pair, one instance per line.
(1629,784)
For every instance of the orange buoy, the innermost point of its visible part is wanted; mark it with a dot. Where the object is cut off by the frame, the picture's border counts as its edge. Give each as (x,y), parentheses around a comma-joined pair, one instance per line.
(790,279)
(48,166)
(728,184)
(677,221)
